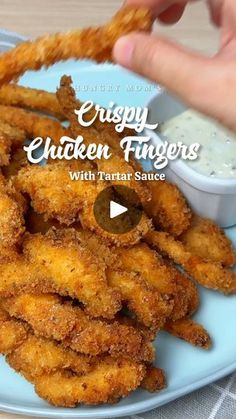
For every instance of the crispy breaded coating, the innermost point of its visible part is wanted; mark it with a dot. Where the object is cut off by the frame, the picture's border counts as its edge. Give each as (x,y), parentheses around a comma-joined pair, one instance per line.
(176,289)
(12,207)
(44,313)
(189,331)
(142,259)
(144,301)
(154,380)
(108,382)
(16,136)
(35,223)
(50,318)
(128,239)
(5,150)
(141,297)
(103,379)
(73,270)
(58,263)
(94,43)
(206,239)
(186,298)
(168,208)
(32,99)
(37,356)
(208,274)
(12,333)
(55,195)
(18,160)
(33,124)
(116,163)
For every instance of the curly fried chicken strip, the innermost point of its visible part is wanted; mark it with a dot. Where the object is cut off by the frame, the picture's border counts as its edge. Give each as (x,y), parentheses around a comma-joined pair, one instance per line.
(108,382)
(116,163)
(32,99)
(94,43)
(205,238)
(12,208)
(168,208)
(52,318)
(32,124)
(207,273)
(189,331)
(58,263)
(68,201)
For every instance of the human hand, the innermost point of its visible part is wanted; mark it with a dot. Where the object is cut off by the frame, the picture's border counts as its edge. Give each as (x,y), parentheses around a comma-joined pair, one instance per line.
(207,84)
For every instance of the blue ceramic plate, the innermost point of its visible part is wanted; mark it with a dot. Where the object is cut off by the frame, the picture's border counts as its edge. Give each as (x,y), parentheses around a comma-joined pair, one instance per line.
(187,368)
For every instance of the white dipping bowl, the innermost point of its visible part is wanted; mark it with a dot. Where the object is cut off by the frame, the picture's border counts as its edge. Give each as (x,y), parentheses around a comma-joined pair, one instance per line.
(208,197)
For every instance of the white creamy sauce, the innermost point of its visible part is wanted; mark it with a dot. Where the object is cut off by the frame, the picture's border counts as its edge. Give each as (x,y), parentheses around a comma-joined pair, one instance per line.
(217,155)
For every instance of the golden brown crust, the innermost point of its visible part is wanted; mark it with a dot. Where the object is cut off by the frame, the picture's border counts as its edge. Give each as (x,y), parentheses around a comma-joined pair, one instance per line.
(206,239)
(154,380)
(50,358)
(141,299)
(68,200)
(109,381)
(168,208)
(208,274)
(32,124)
(50,318)
(12,207)
(12,333)
(190,331)
(116,163)
(32,99)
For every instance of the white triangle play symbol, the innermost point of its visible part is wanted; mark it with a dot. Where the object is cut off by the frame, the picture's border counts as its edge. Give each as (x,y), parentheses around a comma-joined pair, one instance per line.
(116,209)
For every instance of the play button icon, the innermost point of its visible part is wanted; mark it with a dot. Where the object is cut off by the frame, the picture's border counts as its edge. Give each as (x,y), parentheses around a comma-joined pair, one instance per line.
(118,209)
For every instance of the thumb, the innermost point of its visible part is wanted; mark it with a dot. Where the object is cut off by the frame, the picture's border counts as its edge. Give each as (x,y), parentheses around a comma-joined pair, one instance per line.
(182,72)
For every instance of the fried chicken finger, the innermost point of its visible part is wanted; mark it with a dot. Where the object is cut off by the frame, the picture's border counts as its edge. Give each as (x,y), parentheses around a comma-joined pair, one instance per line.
(50,318)
(208,274)
(108,382)
(94,43)
(32,99)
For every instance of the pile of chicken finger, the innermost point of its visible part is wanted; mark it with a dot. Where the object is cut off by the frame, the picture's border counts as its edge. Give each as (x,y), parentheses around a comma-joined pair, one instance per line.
(81,308)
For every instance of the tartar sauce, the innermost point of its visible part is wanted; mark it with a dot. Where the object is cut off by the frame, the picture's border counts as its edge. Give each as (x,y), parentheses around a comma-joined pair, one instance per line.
(217,155)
